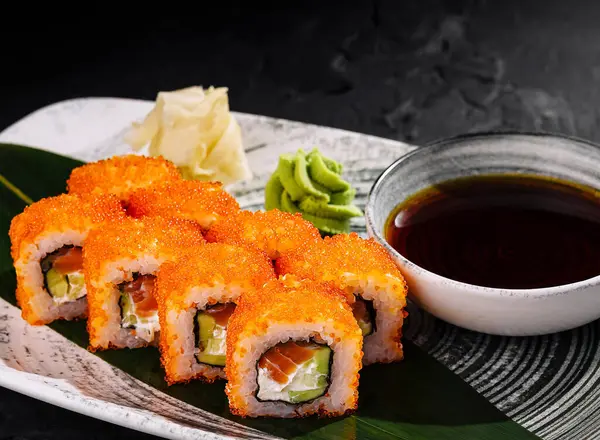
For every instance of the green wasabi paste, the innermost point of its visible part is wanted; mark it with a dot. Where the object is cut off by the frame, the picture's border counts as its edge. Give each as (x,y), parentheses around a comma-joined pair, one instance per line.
(312,185)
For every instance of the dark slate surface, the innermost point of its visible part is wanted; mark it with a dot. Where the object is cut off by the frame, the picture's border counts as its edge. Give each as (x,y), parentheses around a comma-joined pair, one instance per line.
(412,70)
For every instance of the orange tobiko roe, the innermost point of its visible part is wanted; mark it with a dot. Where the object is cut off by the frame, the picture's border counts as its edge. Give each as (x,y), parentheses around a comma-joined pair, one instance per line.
(327,259)
(202,202)
(274,232)
(121,175)
(62,214)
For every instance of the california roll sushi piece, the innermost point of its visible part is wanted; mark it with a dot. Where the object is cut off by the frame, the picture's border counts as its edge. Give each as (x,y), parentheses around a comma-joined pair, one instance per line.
(121,175)
(46,247)
(293,349)
(202,202)
(196,296)
(273,232)
(120,261)
(374,286)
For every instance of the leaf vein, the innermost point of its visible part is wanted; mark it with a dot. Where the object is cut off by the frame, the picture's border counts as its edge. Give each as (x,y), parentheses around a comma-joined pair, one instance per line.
(15,190)
(380,429)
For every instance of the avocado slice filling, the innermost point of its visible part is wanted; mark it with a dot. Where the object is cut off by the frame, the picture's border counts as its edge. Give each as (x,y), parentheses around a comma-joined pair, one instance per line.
(139,310)
(294,372)
(63,274)
(365,314)
(210,330)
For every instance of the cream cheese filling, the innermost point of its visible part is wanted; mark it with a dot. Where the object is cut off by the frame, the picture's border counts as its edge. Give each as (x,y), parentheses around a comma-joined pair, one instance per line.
(76,289)
(305,378)
(145,327)
(218,344)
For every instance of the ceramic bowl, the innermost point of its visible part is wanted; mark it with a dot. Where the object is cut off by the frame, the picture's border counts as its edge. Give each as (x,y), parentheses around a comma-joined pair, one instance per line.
(514,312)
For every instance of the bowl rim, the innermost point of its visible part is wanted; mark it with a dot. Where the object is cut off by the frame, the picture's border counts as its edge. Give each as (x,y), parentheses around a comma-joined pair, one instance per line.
(448,143)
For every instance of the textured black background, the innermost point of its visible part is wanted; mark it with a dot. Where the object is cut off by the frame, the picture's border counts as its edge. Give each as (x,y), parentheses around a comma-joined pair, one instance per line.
(409,70)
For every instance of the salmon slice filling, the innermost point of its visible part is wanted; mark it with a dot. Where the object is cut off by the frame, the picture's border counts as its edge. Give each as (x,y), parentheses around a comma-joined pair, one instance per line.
(364,313)
(63,274)
(139,310)
(210,329)
(294,372)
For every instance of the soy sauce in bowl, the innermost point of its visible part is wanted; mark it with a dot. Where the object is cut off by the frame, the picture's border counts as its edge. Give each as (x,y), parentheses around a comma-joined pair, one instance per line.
(502,231)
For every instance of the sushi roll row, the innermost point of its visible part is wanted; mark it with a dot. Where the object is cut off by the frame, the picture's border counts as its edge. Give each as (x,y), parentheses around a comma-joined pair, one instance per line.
(92,252)
(258,299)
(287,347)
(372,283)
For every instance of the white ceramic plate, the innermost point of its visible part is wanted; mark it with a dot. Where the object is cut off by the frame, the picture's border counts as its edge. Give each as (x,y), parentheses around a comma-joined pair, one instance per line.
(549,384)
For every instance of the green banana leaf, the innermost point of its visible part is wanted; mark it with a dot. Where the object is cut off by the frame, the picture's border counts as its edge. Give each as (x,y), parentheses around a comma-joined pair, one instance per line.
(415,399)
